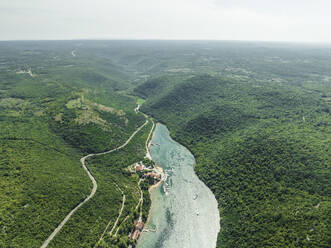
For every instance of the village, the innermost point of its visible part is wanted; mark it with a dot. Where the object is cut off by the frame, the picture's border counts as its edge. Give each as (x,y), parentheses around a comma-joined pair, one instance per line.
(146,170)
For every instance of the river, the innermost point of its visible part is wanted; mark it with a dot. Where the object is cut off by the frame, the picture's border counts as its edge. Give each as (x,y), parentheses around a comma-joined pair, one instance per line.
(187,215)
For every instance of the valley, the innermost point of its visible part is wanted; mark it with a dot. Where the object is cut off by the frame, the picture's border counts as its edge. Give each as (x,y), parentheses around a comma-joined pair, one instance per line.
(249,123)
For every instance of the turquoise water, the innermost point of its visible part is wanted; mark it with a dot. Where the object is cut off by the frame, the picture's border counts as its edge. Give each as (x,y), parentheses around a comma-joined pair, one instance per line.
(187,215)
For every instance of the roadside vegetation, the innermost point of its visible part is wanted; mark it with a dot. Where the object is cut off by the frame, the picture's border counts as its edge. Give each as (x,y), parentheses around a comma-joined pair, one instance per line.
(110,171)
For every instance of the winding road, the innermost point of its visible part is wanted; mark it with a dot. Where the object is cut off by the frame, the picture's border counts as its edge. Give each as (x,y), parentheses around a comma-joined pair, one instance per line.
(95,185)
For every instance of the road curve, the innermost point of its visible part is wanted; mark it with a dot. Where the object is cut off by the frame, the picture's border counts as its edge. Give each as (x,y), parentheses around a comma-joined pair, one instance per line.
(95,185)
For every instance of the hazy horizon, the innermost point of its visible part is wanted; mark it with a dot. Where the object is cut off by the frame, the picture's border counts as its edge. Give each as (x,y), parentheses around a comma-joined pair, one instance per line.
(211,20)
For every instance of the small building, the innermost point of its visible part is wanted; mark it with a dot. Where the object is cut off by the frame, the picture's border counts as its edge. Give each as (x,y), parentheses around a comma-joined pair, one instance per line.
(135,235)
(139,167)
(153,175)
(139,225)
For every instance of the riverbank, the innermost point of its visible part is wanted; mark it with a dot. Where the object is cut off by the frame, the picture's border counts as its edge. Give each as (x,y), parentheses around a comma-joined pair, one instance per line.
(148,155)
(150,190)
(152,187)
(158,184)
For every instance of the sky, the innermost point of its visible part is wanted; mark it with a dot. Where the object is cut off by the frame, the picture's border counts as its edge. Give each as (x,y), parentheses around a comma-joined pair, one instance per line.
(258,20)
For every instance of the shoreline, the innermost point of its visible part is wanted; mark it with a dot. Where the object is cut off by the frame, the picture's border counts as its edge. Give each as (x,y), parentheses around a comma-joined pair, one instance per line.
(154,186)
(150,191)
(158,184)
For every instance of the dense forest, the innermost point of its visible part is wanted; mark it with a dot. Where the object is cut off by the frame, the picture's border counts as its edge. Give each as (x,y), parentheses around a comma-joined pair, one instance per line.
(53,111)
(255,115)
(263,149)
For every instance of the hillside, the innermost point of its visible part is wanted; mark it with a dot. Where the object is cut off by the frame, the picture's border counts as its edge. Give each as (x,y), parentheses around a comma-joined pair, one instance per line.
(255,115)
(53,110)
(263,149)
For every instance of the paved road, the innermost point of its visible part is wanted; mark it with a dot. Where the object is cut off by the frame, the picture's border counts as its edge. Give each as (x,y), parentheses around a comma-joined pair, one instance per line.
(94,189)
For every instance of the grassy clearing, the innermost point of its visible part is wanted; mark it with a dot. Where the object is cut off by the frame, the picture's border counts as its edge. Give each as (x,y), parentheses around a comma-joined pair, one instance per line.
(75,103)
(140,101)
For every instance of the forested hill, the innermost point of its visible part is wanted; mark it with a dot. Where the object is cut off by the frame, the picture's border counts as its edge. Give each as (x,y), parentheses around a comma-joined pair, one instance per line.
(54,109)
(264,150)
